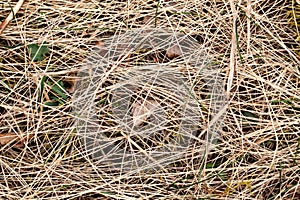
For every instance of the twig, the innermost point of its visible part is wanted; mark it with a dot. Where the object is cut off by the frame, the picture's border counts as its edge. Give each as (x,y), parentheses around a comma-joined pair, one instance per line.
(15,9)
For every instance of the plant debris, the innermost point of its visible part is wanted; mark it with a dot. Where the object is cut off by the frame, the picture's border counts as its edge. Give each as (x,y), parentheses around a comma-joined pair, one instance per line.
(14,11)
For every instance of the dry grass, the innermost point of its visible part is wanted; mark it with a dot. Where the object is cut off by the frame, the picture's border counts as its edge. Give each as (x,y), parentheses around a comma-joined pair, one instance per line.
(257,155)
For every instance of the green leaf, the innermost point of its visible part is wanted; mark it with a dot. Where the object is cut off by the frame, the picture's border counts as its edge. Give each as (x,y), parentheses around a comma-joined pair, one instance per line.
(102,101)
(51,103)
(58,100)
(286,101)
(57,89)
(222,176)
(250,117)
(249,114)
(209,165)
(42,85)
(37,52)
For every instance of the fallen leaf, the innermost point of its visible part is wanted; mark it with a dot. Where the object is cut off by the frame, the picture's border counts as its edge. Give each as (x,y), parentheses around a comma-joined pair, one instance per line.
(173,51)
(71,82)
(6,138)
(99,44)
(141,110)
(37,52)
(58,89)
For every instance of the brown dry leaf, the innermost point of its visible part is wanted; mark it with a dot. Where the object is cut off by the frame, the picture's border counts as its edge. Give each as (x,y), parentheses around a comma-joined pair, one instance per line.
(173,51)
(6,138)
(102,51)
(99,44)
(147,20)
(71,81)
(142,110)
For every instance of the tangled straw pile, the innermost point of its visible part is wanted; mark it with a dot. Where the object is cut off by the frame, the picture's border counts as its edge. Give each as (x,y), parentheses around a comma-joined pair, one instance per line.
(257,154)
(153,86)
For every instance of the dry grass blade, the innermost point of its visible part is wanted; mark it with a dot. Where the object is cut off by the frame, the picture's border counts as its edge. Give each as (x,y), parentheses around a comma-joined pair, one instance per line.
(233,47)
(250,43)
(15,9)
